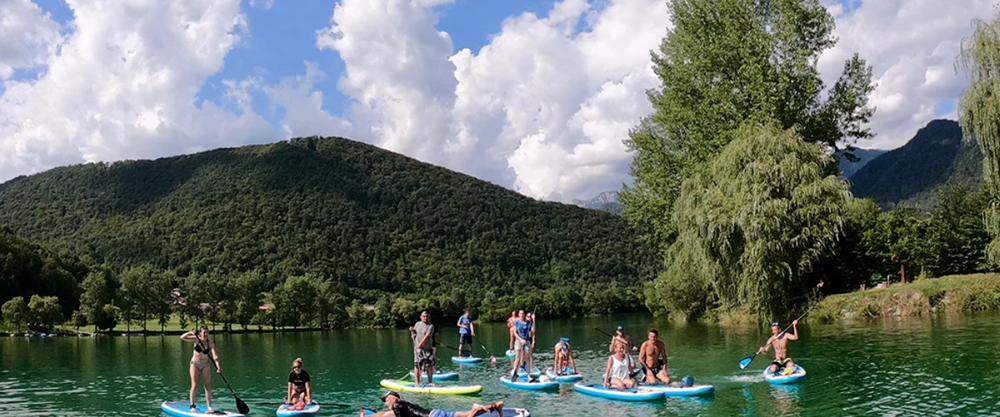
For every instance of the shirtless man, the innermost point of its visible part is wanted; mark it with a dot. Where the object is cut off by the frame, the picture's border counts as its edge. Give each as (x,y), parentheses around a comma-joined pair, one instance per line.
(399,408)
(653,357)
(780,342)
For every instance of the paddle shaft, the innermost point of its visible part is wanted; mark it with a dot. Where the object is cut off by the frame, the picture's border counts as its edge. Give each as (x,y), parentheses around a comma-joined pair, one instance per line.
(779,334)
(241,406)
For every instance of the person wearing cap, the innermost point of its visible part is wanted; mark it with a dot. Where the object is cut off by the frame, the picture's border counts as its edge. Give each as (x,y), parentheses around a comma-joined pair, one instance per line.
(564,357)
(780,340)
(424,357)
(399,408)
(621,337)
(466,329)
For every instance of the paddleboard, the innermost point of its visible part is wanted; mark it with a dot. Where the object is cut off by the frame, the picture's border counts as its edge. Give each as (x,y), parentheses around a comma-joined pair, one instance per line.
(534,371)
(438,375)
(507,412)
(466,359)
(444,390)
(670,391)
(798,375)
(569,376)
(633,394)
(309,410)
(511,354)
(524,383)
(183,409)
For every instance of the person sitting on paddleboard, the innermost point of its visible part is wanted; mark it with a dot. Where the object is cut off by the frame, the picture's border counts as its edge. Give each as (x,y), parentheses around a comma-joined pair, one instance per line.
(653,355)
(618,373)
(564,357)
(621,337)
(465,332)
(399,408)
(424,355)
(780,342)
(522,331)
(199,364)
(299,386)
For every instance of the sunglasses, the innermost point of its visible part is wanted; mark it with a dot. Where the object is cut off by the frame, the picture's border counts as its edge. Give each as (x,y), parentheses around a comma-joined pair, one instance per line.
(774,324)
(297,367)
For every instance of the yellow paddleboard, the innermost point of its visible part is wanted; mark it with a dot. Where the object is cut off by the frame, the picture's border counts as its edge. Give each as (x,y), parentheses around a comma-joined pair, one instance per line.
(444,390)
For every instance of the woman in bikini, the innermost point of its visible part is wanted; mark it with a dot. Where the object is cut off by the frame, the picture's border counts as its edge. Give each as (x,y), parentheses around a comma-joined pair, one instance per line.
(199,364)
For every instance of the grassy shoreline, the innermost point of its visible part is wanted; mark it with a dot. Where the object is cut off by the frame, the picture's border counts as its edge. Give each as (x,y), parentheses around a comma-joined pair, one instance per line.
(929,296)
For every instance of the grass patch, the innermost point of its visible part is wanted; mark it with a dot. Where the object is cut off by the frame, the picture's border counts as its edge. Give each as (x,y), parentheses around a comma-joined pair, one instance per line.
(953,293)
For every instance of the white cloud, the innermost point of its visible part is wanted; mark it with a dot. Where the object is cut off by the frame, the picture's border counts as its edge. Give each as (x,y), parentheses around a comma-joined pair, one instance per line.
(912,46)
(542,108)
(27,36)
(262,4)
(124,85)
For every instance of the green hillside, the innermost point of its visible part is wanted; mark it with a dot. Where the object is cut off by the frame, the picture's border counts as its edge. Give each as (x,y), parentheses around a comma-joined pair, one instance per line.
(368,221)
(910,175)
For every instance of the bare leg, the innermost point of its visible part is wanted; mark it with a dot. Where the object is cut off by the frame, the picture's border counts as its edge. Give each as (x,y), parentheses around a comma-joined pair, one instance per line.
(194,383)
(430,374)
(416,375)
(663,376)
(649,377)
(617,383)
(478,409)
(206,378)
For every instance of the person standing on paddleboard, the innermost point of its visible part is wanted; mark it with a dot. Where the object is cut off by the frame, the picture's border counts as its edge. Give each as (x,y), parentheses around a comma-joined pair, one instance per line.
(399,408)
(621,337)
(780,342)
(299,387)
(199,364)
(618,373)
(564,357)
(522,346)
(465,332)
(653,355)
(424,357)
(510,328)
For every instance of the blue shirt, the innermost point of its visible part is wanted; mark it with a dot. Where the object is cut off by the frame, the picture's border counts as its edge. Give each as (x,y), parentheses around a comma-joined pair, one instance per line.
(523,329)
(466,321)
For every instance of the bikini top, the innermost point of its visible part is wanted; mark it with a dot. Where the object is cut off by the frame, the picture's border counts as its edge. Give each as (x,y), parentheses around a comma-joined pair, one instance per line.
(199,348)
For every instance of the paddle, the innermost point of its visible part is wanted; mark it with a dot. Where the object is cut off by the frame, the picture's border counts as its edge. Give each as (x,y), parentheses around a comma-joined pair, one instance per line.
(745,362)
(281,403)
(493,359)
(241,406)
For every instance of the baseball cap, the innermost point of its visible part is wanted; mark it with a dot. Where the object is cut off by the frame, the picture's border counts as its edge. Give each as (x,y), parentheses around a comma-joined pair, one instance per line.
(621,328)
(564,339)
(388,394)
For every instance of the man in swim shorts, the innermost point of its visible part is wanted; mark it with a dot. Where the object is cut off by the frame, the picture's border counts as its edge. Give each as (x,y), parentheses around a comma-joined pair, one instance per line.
(653,357)
(399,408)
(424,357)
(780,340)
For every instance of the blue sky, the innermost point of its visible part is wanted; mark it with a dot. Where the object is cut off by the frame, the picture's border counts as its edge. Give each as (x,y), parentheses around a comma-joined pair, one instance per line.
(540,103)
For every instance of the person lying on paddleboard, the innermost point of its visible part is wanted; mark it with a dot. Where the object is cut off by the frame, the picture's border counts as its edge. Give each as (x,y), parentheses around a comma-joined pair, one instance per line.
(522,346)
(564,357)
(618,373)
(199,364)
(465,332)
(780,342)
(399,408)
(620,337)
(653,354)
(424,357)
(299,387)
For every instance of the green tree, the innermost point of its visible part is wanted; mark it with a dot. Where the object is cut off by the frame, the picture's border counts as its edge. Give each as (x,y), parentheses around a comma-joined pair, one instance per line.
(45,312)
(726,62)
(79,320)
(979,114)
(751,226)
(16,312)
(98,291)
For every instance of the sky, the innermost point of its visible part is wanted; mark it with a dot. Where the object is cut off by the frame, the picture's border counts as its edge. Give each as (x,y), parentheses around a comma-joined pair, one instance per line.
(532,95)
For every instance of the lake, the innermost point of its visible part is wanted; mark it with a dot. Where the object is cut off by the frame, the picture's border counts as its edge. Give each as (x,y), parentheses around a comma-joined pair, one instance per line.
(906,367)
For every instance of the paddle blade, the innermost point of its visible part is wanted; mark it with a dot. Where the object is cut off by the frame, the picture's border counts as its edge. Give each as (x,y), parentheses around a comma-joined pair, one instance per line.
(745,362)
(241,406)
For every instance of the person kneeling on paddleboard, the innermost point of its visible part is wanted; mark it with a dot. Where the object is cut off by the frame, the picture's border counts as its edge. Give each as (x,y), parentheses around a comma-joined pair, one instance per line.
(619,370)
(780,342)
(653,357)
(299,387)
(564,357)
(199,364)
(399,408)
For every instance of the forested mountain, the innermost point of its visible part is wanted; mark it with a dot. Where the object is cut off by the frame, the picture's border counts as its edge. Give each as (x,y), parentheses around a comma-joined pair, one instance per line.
(863,157)
(368,221)
(911,175)
(28,269)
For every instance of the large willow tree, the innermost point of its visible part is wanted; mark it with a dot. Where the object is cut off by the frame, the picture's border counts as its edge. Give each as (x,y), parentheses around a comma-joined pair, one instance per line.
(979,114)
(725,62)
(751,226)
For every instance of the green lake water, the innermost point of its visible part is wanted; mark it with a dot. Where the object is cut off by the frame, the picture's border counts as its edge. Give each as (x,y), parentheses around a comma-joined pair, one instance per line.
(910,367)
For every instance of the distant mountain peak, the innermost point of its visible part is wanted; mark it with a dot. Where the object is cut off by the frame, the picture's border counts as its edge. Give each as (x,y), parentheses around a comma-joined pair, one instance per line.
(606,201)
